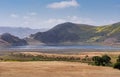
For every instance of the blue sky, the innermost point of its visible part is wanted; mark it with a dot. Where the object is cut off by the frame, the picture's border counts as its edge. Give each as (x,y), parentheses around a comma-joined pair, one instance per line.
(48,13)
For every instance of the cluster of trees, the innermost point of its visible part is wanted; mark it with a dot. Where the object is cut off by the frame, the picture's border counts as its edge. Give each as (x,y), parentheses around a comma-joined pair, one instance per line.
(117,64)
(55,58)
(105,60)
(24,57)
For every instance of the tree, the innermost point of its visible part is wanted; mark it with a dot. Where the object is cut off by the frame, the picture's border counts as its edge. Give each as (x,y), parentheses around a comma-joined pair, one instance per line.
(118,60)
(106,60)
(97,60)
(117,65)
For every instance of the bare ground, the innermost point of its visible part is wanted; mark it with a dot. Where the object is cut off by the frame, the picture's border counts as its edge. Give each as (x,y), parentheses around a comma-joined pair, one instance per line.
(54,69)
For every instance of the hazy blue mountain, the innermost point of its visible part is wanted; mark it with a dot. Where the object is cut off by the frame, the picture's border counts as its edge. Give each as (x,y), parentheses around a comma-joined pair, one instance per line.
(8,39)
(19,31)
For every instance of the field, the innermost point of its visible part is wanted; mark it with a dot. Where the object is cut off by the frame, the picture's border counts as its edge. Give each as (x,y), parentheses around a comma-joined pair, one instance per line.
(54,69)
(57,68)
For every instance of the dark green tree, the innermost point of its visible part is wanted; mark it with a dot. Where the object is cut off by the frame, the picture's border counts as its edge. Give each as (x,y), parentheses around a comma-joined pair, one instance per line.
(106,60)
(97,60)
(118,60)
(117,65)
(103,61)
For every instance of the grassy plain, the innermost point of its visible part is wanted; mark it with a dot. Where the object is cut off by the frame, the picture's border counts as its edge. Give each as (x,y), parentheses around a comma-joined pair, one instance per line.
(54,69)
(57,68)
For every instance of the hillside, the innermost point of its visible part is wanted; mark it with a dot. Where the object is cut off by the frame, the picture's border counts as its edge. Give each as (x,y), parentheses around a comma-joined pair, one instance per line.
(8,39)
(109,33)
(77,33)
(3,43)
(66,32)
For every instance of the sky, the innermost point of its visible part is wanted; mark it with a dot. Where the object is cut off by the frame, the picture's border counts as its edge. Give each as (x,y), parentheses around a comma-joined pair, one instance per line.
(48,13)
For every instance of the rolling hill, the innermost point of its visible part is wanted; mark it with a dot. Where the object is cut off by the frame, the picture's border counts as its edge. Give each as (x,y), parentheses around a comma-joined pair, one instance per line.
(80,33)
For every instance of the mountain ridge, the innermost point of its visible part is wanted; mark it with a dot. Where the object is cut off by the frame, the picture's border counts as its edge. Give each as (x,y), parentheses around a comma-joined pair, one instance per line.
(71,32)
(68,33)
(20,32)
(7,39)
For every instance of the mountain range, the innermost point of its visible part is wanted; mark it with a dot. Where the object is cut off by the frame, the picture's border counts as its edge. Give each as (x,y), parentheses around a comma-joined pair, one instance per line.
(68,33)
(80,33)
(20,31)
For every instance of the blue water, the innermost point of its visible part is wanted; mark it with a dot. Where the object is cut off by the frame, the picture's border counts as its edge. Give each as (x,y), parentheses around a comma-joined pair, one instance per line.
(64,47)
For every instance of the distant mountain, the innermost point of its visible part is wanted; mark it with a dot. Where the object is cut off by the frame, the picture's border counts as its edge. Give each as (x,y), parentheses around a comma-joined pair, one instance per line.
(66,32)
(3,43)
(8,39)
(19,31)
(79,33)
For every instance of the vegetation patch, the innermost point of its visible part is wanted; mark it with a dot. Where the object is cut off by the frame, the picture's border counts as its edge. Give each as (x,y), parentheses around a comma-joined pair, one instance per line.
(103,60)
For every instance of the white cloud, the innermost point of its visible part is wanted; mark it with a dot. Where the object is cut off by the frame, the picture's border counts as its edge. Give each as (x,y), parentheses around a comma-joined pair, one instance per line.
(74,19)
(32,14)
(51,22)
(14,15)
(37,22)
(63,4)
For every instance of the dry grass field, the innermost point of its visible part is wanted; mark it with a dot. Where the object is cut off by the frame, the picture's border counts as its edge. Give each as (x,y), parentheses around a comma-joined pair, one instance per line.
(54,69)
(113,54)
(58,68)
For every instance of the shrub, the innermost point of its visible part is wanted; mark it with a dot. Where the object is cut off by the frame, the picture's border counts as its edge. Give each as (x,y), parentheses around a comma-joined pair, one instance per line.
(118,60)
(104,60)
(117,65)
(97,60)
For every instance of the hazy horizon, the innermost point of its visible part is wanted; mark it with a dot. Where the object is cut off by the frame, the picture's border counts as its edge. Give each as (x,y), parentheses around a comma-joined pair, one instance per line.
(40,14)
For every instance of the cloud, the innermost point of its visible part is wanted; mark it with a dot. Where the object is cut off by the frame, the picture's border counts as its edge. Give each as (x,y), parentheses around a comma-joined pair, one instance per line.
(74,19)
(14,15)
(63,4)
(51,22)
(32,14)
(27,20)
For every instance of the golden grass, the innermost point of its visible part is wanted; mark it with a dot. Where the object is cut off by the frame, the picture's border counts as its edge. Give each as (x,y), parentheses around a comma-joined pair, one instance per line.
(58,69)
(54,69)
(81,54)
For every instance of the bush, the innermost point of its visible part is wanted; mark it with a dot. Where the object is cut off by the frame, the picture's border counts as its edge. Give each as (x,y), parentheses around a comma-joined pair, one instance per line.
(118,60)
(106,60)
(117,65)
(97,60)
(103,61)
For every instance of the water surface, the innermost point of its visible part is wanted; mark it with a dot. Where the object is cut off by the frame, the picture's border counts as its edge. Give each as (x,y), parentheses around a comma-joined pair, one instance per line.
(58,47)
